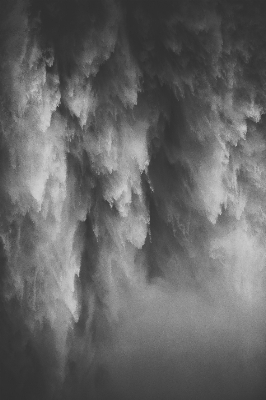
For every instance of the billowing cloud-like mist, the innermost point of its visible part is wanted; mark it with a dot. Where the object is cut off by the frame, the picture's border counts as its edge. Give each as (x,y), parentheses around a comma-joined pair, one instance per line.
(132,192)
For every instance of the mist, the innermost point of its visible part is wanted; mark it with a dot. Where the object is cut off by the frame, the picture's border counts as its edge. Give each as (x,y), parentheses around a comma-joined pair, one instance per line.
(132,199)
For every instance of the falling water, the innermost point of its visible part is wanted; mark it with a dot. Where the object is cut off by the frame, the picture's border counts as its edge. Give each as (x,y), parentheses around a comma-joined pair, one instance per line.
(132,192)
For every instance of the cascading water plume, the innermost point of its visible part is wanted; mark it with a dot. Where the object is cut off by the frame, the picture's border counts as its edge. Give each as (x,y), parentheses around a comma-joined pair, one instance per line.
(132,187)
